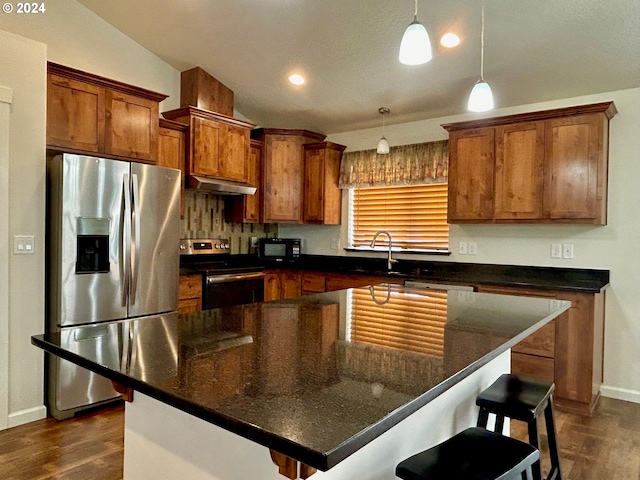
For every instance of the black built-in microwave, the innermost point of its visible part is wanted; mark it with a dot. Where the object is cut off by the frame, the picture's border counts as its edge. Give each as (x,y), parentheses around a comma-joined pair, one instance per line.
(284,250)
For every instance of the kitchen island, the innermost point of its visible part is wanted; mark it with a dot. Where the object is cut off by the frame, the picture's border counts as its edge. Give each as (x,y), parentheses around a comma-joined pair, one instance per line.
(346,382)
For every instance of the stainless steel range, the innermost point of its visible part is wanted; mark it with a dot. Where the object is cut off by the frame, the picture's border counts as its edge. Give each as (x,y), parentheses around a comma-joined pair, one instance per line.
(227,279)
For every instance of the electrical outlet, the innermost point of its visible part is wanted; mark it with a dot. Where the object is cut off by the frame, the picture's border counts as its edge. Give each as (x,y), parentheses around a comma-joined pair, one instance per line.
(253,241)
(473,248)
(335,244)
(556,250)
(462,248)
(567,250)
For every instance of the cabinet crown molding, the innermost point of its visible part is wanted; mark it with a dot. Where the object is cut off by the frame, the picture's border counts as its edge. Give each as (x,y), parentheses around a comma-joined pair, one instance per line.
(191,112)
(608,108)
(79,75)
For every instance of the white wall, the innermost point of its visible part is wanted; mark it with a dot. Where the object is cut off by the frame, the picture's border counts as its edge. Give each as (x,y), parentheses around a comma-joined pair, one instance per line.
(71,35)
(612,247)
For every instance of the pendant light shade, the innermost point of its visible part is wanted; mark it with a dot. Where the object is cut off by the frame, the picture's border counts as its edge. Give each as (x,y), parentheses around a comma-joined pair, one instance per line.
(383,144)
(481,97)
(415,48)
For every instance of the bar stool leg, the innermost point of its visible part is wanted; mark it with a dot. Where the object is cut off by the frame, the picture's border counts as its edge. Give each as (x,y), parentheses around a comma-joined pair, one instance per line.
(554,474)
(499,424)
(483,418)
(527,475)
(533,440)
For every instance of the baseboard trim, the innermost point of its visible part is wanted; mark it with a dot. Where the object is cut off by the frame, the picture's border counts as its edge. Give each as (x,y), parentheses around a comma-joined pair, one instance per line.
(620,393)
(26,416)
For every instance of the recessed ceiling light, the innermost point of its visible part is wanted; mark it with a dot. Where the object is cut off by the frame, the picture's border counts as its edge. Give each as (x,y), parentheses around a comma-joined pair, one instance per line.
(296,79)
(450,40)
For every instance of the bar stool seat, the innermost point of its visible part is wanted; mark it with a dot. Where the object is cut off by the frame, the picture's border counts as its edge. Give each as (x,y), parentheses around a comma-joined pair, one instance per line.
(525,399)
(473,454)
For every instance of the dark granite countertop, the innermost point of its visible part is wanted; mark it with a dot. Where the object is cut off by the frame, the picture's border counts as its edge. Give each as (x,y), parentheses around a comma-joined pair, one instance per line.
(543,278)
(293,375)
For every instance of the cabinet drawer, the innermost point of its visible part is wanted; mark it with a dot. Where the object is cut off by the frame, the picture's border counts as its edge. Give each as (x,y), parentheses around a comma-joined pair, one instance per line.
(533,366)
(313,282)
(542,342)
(190,286)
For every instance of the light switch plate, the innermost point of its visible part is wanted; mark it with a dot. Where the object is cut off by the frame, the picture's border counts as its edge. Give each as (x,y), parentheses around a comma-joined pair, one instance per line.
(567,250)
(24,245)
(473,248)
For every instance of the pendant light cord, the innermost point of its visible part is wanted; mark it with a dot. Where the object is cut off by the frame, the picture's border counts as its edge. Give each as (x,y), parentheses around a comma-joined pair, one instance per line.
(415,12)
(481,44)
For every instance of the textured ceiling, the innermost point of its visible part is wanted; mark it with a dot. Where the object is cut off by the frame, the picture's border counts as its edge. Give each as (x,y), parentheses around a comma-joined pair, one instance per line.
(348,51)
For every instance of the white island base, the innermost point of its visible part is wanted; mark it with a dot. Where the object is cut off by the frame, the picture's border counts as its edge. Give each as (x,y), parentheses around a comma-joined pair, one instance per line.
(164,443)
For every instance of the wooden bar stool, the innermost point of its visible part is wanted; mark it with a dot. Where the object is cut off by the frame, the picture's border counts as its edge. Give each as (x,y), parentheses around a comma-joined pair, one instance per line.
(473,454)
(525,399)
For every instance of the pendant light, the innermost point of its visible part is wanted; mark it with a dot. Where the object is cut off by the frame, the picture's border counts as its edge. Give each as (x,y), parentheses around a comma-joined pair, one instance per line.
(383,144)
(415,48)
(481,98)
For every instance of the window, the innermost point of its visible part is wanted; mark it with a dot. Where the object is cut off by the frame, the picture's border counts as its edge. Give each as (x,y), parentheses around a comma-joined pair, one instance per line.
(414,215)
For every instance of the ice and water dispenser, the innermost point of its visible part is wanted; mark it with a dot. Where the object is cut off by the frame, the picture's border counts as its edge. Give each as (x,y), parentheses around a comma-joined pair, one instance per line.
(92,245)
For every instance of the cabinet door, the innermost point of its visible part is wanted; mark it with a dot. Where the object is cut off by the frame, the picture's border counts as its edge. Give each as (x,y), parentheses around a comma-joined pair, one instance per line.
(282,179)
(171,148)
(234,142)
(205,148)
(246,208)
(291,284)
(519,171)
(471,157)
(575,168)
(252,202)
(75,114)
(131,127)
(313,192)
(272,287)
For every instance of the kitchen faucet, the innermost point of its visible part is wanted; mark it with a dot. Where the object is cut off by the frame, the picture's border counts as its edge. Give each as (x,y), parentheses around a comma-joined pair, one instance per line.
(390,261)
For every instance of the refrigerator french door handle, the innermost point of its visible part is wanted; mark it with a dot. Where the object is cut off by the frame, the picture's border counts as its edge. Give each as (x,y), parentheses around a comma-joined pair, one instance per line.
(126,238)
(136,239)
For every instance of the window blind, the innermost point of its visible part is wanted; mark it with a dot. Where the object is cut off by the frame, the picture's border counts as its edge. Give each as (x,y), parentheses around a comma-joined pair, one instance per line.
(414,215)
(413,323)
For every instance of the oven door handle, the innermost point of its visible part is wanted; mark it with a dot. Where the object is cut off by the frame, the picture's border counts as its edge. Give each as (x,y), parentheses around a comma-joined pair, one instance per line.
(233,277)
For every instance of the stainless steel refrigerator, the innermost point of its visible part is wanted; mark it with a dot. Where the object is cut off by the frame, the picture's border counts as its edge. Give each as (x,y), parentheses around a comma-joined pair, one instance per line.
(113,236)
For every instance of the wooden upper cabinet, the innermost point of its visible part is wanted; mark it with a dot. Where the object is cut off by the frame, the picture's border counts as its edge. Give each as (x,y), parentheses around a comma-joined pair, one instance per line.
(131,126)
(322,198)
(282,173)
(205,148)
(576,175)
(171,144)
(519,171)
(540,167)
(471,164)
(218,145)
(246,208)
(75,114)
(96,115)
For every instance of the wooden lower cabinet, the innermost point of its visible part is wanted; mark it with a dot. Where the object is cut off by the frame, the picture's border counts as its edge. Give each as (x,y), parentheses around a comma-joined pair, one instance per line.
(568,351)
(279,284)
(190,293)
(338,281)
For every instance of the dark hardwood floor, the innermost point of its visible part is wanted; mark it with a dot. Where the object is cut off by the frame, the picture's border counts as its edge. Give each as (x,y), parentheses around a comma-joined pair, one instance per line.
(605,446)
(89,447)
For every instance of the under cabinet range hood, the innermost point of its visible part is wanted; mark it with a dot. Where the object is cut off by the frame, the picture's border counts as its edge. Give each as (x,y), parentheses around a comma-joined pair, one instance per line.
(219,186)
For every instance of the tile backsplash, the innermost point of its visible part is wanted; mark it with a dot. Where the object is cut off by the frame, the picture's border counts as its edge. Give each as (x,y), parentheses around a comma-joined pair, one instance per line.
(204,218)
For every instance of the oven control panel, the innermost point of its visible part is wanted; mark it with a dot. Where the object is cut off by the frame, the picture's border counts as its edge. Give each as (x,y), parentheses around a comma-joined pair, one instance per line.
(195,246)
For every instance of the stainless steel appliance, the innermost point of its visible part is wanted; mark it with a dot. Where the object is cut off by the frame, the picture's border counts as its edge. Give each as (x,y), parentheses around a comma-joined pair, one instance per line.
(113,227)
(279,250)
(227,279)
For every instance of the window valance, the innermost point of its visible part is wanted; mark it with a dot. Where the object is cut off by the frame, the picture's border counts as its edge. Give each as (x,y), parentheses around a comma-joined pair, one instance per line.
(419,163)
